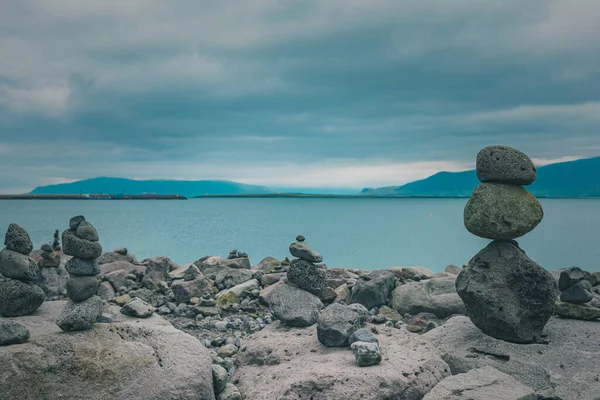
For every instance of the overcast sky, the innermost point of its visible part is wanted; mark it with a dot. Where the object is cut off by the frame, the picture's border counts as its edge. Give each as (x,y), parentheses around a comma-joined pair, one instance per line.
(332,93)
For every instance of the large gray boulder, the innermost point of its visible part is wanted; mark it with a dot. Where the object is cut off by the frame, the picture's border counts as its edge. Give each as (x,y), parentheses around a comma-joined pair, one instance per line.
(373,289)
(17,239)
(506,294)
(565,367)
(500,211)
(19,298)
(336,324)
(437,296)
(307,276)
(294,306)
(132,359)
(80,248)
(504,164)
(481,383)
(285,364)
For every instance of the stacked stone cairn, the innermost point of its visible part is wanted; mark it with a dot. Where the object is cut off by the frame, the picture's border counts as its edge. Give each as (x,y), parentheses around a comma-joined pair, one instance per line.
(506,294)
(576,290)
(18,294)
(49,259)
(81,242)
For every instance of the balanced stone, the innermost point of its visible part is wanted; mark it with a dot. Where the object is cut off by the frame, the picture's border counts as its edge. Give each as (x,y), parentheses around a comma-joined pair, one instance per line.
(307,276)
(579,293)
(19,298)
(18,240)
(300,238)
(80,267)
(303,252)
(80,288)
(75,221)
(500,211)
(335,325)
(80,316)
(569,277)
(294,306)
(506,294)
(504,164)
(137,308)
(80,248)
(13,333)
(17,266)
(366,353)
(86,231)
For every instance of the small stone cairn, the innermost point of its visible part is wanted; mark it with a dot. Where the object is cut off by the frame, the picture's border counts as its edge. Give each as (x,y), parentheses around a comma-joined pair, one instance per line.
(576,290)
(49,259)
(18,295)
(81,242)
(506,294)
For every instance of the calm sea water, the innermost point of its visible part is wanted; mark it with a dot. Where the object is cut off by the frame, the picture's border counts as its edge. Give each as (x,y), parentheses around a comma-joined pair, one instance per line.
(351,233)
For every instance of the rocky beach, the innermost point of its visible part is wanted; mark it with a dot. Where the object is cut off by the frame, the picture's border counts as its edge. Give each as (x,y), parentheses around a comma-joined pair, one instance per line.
(77,322)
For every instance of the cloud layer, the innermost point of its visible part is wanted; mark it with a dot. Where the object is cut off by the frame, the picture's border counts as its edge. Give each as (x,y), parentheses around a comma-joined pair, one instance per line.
(291,93)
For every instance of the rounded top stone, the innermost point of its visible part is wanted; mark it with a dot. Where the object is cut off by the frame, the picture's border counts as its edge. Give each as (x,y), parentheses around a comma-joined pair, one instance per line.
(17,239)
(505,164)
(300,238)
(75,221)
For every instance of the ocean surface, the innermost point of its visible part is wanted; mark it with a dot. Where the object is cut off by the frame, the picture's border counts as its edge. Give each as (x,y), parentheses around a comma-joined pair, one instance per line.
(350,233)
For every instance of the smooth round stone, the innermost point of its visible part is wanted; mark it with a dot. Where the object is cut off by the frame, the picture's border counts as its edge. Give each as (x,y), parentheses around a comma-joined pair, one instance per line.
(80,248)
(307,276)
(504,164)
(17,266)
(303,252)
(75,221)
(13,333)
(579,293)
(80,316)
(80,267)
(86,231)
(500,211)
(80,288)
(19,298)
(17,239)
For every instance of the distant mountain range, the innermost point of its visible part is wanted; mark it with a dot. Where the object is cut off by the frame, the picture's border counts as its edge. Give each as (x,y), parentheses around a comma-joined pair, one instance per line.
(104,185)
(580,178)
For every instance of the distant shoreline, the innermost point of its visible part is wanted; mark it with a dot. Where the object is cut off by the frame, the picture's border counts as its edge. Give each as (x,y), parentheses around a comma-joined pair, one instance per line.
(92,197)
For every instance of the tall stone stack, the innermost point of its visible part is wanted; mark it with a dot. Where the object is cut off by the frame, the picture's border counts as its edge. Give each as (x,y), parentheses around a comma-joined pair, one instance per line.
(81,241)
(18,295)
(506,294)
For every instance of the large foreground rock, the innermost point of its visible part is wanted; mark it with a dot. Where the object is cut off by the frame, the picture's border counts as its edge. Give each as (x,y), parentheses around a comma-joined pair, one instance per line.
(294,306)
(566,368)
(437,296)
(289,363)
(132,359)
(506,294)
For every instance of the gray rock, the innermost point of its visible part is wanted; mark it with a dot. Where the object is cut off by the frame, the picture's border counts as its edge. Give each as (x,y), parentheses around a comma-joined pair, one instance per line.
(270,265)
(362,312)
(230,277)
(343,294)
(80,288)
(230,392)
(227,350)
(137,308)
(294,306)
(17,266)
(219,378)
(155,299)
(156,272)
(335,325)
(117,278)
(121,250)
(80,248)
(53,281)
(47,248)
(504,164)
(500,211)
(506,294)
(122,265)
(80,316)
(363,335)
(327,295)
(19,298)
(373,289)
(303,252)
(86,231)
(335,277)
(437,296)
(179,273)
(307,276)
(366,353)
(453,269)
(17,239)
(106,291)
(481,383)
(577,311)
(579,293)
(13,333)
(75,221)
(135,359)
(570,277)
(111,257)
(270,279)
(80,267)
(185,290)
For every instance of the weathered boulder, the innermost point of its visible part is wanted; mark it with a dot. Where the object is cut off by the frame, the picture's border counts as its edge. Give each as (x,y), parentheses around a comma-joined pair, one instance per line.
(363,335)
(80,248)
(117,278)
(303,252)
(303,369)
(17,266)
(481,383)
(307,276)
(86,231)
(230,277)
(343,294)
(500,211)
(19,298)
(294,306)
(13,333)
(247,286)
(335,277)
(564,367)
(506,294)
(179,273)
(577,311)
(335,325)
(270,279)
(366,353)
(157,271)
(185,290)
(504,164)
(132,359)
(373,289)
(137,308)
(80,267)
(17,239)
(80,288)
(80,316)
(361,310)
(106,291)
(437,296)
(111,257)
(569,277)
(267,293)
(579,293)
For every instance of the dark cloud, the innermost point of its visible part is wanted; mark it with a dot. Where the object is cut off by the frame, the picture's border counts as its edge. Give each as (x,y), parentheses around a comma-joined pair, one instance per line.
(339,93)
